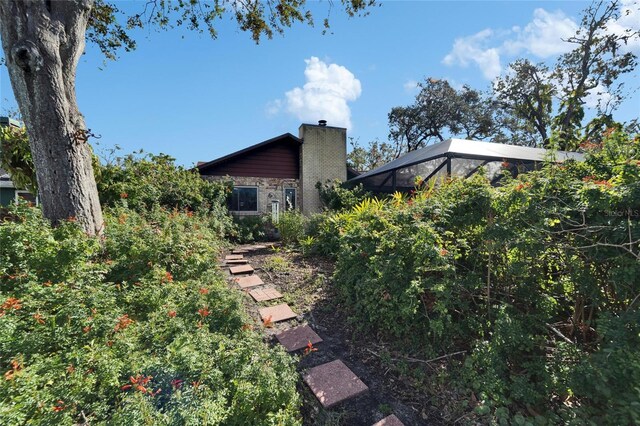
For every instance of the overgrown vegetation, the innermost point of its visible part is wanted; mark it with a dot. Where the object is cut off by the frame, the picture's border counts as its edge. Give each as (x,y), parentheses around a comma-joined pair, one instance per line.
(137,326)
(534,282)
(335,197)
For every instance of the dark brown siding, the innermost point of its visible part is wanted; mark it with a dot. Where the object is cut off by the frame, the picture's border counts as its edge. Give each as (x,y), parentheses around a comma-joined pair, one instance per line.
(277,160)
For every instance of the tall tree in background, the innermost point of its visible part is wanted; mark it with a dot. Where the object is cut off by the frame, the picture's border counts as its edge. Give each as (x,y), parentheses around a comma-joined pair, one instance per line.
(43,41)
(593,65)
(440,111)
(531,104)
(375,154)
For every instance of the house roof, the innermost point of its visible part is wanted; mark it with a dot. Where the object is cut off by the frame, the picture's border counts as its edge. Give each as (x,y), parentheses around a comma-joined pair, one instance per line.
(203,165)
(462,148)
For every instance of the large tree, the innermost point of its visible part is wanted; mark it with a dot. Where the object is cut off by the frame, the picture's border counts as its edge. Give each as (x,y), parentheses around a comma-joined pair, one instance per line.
(43,41)
(441,111)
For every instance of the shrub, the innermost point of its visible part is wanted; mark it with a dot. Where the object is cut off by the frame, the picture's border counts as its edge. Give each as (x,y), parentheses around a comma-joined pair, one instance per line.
(335,197)
(291,227)
(249,229)
(138,329)
(535,280)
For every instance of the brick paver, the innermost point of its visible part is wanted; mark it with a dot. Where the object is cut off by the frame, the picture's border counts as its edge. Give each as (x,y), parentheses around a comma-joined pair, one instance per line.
(277,313)
(391,420)
(242,269)
(333,383)
(236,261)
(298,338)
(249,281)
(233,257)
(262,295)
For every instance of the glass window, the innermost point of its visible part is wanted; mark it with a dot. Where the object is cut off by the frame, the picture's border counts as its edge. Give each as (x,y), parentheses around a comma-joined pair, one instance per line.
(289,199)
(244,200)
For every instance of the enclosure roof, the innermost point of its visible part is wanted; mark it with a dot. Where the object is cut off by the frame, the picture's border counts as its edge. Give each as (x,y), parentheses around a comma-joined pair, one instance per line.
(462,148)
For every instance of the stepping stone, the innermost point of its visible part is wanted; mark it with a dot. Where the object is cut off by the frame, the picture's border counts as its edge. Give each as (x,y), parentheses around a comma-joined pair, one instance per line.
(277,313)
(249,281)
(262,295)
(333,383)
(242,269)
(298,338)
(391,420)
(239,251)
(258,247)
(237,261)
(233,257)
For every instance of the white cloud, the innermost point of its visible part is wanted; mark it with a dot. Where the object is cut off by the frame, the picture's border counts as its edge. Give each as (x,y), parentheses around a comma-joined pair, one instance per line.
(324,96)
(628,23)
(542,38)
(410,86)
(472,49)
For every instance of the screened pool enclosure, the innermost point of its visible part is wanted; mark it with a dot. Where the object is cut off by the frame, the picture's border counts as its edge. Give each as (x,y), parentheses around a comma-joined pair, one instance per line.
(456,157)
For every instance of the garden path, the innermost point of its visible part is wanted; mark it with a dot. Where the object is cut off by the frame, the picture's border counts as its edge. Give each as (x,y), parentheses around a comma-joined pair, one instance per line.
(334,392)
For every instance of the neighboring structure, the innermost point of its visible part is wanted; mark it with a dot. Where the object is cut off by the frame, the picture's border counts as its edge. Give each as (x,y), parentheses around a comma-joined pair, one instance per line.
(8,191)
(456,157)
(282,170)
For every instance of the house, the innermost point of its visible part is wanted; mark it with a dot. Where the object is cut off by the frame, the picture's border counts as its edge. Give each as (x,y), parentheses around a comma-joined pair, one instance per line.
(281,173)
(457,157)
(8,191)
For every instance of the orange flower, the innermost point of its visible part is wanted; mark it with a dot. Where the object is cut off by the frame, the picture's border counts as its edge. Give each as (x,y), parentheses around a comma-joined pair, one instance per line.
(172,314)
(204,312)
(72,219)
(267,322)
(71,369)
(204,290)
(247,327)
(86,329)
(10,304)
(47,284)
(16,366)
(59,406)
(123,322)
(38,318)
(124,195)
(444,252)
(309,348)
(167,277)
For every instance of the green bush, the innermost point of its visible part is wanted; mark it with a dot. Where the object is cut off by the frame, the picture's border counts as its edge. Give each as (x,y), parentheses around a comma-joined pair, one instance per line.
(535,280)
(139,328)
(249,229)
(291,227)
(335,197)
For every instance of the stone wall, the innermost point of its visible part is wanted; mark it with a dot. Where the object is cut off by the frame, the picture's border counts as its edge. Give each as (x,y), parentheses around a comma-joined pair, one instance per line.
(269,189)
(323,157)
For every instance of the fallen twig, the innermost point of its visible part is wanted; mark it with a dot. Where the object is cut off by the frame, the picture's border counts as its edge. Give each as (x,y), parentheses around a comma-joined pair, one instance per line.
(559,334)
(424,361)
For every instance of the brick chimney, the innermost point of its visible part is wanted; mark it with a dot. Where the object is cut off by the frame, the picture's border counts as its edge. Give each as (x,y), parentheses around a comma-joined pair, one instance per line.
(323,157)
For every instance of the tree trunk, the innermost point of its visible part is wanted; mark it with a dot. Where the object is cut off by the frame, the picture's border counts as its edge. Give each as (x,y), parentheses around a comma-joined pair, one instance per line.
(43,42)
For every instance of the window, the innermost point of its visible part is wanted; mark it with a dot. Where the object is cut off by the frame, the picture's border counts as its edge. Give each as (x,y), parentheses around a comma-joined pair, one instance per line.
(289,199)
(244,200)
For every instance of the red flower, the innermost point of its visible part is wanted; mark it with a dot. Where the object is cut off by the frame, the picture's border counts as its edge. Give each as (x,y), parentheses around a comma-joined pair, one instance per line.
(172,314)
(38,318)
(204,312)
(444,252)
(204,291)
(59,406)
(10,304)
(123,322)
(309,348)
(176,383)
(167,277)
(124,195)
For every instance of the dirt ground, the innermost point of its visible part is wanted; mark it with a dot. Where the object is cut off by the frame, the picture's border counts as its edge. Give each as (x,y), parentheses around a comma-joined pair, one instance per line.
(402,388)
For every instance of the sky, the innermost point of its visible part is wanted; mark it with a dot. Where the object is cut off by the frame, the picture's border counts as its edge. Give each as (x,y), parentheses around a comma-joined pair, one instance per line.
(183,94)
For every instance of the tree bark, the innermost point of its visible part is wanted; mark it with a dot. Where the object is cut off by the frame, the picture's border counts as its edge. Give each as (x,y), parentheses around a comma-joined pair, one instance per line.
(42,42)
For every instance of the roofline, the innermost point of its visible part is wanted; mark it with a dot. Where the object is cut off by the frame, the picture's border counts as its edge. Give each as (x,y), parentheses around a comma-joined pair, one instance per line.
(462,156)
(204,165)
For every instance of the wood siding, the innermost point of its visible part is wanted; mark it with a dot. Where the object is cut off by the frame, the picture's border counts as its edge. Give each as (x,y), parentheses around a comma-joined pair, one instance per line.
(280,159)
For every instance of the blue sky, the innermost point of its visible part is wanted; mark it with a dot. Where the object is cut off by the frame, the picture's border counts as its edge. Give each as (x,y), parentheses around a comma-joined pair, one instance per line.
(194,98)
